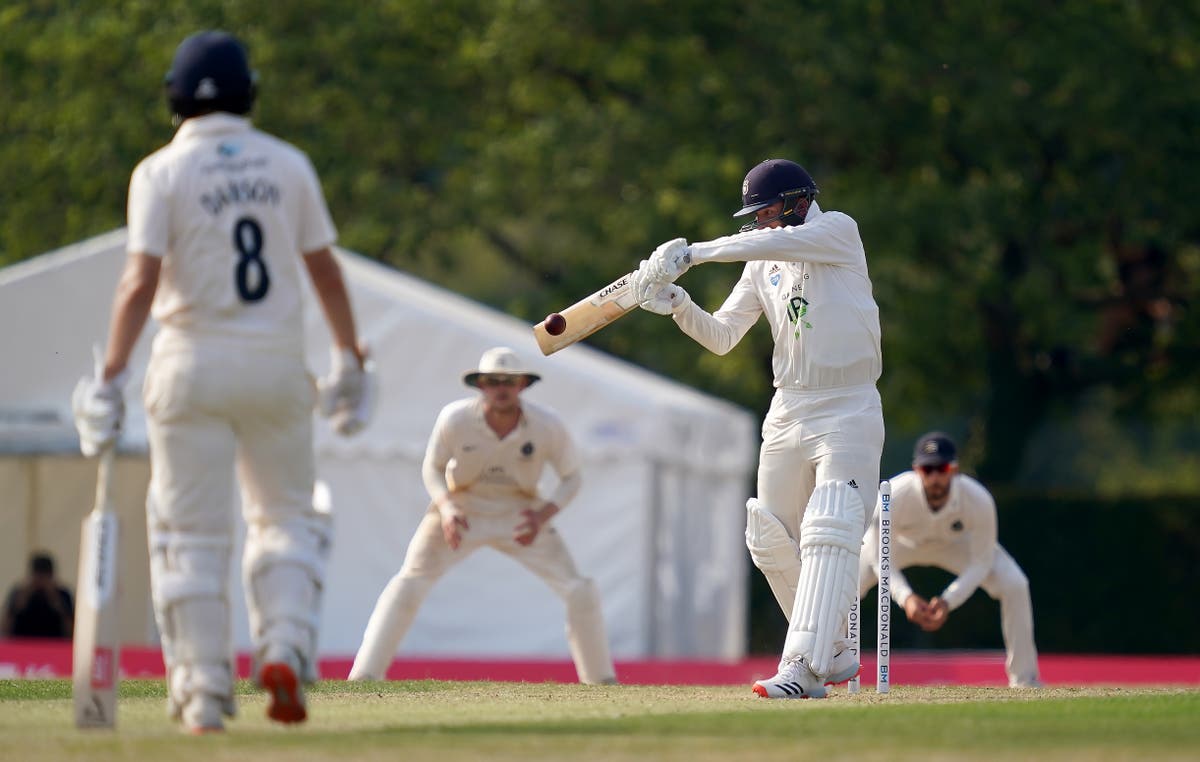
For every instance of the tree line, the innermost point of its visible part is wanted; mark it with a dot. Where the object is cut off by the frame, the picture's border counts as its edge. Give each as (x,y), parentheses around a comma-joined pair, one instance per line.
(1023,175)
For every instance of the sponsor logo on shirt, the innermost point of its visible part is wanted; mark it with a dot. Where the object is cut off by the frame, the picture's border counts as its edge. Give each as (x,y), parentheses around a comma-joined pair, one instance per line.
(228,149)
(796,310)
(774,275)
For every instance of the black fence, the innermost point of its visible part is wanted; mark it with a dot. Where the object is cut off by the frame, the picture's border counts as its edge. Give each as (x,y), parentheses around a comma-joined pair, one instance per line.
(1106,575)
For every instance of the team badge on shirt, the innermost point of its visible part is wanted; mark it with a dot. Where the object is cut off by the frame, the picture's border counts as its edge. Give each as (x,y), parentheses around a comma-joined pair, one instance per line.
(774,275)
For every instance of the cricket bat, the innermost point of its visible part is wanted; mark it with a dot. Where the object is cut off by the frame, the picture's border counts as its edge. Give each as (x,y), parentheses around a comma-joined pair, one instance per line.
(587,316)
(97,650)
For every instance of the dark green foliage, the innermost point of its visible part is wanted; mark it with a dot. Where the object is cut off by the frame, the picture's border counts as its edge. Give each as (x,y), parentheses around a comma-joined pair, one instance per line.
(1024,176)
(1105,575)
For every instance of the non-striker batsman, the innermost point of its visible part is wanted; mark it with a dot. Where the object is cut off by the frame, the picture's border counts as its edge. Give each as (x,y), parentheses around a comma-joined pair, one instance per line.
(818,472)
(223,222)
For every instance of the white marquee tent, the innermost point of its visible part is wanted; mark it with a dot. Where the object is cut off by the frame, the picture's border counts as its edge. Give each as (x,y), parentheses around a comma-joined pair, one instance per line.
(658,523)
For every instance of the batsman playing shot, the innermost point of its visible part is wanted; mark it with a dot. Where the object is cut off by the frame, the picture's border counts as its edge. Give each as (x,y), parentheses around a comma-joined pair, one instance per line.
(946,519)
(481,469)
(806,270)
(223,223)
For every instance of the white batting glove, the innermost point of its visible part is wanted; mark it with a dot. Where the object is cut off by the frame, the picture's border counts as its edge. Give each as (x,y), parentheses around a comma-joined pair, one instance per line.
(641,284)
(669,261)
(667,300)
(347,395)
(98,407)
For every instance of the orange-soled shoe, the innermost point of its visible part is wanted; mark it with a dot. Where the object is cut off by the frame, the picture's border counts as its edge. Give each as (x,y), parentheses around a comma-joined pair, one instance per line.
(794,680)
(202,715)
(845,667)
(286,695)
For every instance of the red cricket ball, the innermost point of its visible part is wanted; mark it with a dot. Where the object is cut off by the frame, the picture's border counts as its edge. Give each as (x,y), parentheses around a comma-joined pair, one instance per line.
(555,324)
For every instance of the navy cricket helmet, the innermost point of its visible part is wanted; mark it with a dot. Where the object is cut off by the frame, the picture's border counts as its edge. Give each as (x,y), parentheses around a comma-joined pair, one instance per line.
(210,72)
(777,180)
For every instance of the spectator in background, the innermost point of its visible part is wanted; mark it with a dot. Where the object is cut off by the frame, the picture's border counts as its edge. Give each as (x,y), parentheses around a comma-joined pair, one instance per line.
(946,519)
(39,607)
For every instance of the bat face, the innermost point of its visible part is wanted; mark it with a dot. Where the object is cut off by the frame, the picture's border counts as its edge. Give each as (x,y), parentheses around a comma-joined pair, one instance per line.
(589,315)
(96,647)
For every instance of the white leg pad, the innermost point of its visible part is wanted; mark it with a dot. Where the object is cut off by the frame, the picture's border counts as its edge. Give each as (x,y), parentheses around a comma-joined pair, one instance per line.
(189,576)
(830,543)
(586,635)
(389,623)
(283,573)
(774,552)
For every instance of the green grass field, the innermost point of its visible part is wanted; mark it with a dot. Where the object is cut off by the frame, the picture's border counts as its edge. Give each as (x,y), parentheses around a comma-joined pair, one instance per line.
(451,721)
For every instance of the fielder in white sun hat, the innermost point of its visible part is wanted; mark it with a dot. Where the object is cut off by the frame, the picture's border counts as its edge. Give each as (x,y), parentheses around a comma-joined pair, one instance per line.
(500,361)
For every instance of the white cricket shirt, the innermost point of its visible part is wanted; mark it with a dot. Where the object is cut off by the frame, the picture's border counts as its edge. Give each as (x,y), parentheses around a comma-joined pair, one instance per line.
(230,210)
(968,518)
(491,475)
(811,281)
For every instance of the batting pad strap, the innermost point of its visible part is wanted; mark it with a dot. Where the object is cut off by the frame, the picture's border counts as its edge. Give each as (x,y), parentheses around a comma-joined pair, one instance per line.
(168,541)
(837,531)
(304,541)
(174,586)
(188,566)
(834,516)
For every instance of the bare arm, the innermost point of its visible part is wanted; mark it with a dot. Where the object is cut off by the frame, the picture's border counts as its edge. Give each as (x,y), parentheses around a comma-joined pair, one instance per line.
(331,290)
(131,308)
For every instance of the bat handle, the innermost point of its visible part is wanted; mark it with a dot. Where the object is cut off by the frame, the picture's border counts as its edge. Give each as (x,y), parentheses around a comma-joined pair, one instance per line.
(98,361)
(108,457)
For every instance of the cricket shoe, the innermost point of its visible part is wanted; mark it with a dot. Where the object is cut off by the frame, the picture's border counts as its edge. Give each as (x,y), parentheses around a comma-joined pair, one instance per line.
(844,667)
(279,676)
(794,680)
(202,714)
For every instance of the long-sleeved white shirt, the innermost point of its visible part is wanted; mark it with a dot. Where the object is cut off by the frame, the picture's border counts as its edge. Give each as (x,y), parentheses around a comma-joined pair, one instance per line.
(969,516)
(811,281)
(489,475)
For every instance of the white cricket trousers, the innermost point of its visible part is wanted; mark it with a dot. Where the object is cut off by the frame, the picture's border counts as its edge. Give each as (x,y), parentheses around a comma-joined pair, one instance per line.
(1005,582)
(814,436)
(429,557)
(213,406)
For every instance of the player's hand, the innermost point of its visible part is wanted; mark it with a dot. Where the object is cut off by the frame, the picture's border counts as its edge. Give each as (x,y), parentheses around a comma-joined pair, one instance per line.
(98,407)
(532,522)
(527,530)
(667,300)
(454,523)
(669,261)
(936,615)
(917,610)
(347,395)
